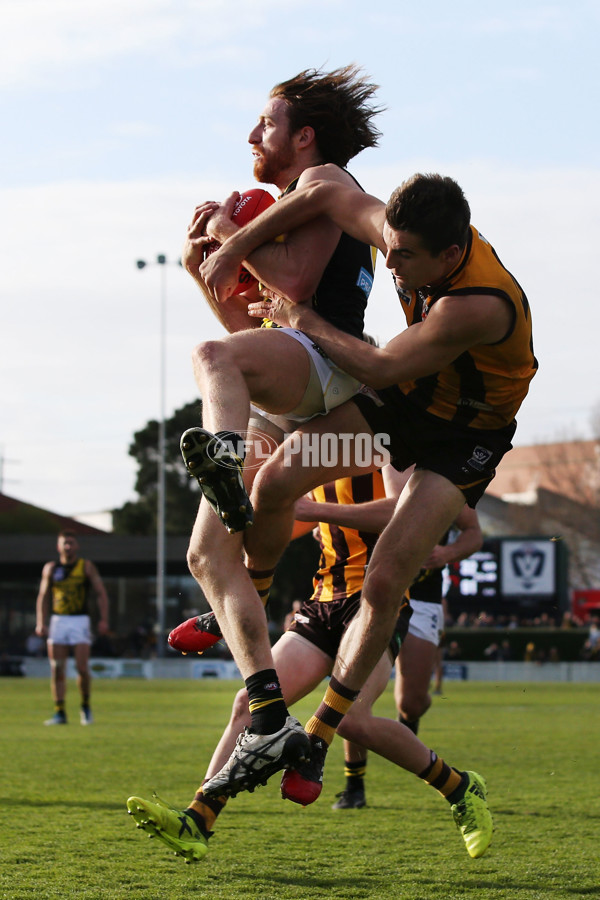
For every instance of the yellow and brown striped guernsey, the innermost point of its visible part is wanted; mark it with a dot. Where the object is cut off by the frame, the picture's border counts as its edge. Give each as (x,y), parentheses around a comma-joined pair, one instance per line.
(485,386)
(345,551)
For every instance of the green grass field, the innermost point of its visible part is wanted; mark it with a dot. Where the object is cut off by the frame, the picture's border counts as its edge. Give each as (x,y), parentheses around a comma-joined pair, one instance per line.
(64,830)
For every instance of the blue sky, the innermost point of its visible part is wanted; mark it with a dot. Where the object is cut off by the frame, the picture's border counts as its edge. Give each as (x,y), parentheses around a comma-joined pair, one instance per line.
(120,116)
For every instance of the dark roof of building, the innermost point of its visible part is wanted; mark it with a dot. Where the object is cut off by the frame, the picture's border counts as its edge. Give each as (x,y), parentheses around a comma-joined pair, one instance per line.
(17,517)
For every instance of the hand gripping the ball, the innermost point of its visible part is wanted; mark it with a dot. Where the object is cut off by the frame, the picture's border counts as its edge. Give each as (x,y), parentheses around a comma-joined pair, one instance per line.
(246,207)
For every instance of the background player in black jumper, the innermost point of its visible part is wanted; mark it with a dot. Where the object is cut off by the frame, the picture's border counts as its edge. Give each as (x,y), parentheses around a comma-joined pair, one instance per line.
(64,596)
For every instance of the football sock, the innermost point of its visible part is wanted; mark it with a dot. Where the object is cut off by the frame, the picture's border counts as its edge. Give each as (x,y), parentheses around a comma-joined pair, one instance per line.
(414,725)
(334,706)
(234,441)
(204,810)
(448,781)
(262,581)
(265,702)
(59,706)
(355,774)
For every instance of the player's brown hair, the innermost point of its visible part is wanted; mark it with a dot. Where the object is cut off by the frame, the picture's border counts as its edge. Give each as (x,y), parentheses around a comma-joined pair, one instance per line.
(433,207)
(337,106)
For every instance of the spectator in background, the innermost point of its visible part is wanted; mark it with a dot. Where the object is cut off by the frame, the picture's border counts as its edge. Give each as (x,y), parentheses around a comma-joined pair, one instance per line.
(591,648)
(499,652)
(492,652)
(453,651)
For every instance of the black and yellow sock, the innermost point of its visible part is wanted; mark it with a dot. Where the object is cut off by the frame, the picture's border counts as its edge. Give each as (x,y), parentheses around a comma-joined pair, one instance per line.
(445,779)
(59,706)
(413,725)
(265,702)
(334,706)
(355,774)
(204,811)
(262,581)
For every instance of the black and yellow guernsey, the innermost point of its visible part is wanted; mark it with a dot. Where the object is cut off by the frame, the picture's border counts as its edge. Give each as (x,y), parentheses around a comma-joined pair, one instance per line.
(343,291)
(70,589)
(483,387)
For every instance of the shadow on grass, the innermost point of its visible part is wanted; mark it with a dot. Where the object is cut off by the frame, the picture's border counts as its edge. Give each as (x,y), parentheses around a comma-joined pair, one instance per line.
(549,813)
(69,804)
(362,886)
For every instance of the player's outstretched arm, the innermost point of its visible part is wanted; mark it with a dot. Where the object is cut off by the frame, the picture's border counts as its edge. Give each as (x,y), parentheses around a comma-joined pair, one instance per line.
(454,325)
(348,207)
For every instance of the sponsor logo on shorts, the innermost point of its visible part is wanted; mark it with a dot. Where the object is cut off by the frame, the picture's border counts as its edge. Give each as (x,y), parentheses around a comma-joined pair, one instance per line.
(271,686)
(333,449)
(480,458)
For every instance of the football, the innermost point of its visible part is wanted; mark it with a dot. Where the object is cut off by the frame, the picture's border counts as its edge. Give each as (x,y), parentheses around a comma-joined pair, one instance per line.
(248,207)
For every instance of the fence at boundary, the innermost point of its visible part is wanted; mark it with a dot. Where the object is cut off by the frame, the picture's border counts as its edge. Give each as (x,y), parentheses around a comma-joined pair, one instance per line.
(579,672)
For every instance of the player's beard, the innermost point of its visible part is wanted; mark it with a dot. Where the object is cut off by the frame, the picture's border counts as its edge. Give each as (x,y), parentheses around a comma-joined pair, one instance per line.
(268,167)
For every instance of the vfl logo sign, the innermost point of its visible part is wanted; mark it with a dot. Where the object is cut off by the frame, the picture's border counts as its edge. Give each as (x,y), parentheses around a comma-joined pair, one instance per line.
(528,565)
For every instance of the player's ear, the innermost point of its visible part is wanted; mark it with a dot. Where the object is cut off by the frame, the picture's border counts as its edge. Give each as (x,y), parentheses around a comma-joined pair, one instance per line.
(305,136)
(452,254)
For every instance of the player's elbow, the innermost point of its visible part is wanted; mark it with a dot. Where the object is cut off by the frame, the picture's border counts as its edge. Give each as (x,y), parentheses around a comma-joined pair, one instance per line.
(298,286)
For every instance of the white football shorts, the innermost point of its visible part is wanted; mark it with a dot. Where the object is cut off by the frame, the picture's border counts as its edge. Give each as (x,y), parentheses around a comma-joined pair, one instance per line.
(70,630)
(427,621)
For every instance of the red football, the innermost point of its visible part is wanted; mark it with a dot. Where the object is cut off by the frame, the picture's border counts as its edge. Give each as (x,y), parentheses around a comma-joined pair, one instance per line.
(248,207)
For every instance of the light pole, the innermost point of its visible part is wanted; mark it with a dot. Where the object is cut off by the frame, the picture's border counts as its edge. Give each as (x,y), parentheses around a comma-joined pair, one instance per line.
(161,260)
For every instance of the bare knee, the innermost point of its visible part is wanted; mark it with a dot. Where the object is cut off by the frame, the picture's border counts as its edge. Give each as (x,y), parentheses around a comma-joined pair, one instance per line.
(209,354)
(57,669)
(413,705)
(199,561)
(355,729)
(273,487)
